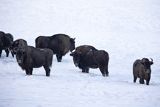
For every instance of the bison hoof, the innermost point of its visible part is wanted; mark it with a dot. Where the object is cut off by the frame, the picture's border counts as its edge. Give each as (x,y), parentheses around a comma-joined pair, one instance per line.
(47,75)
(107,75)
(59,60)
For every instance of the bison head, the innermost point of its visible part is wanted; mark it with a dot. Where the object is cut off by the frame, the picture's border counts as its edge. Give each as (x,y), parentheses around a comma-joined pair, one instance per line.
(76,57)
(20,55)
(72,45)
(147,64)
(19,43)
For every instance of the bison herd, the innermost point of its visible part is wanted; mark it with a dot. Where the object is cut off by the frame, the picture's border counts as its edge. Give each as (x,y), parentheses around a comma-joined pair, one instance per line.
(84,56)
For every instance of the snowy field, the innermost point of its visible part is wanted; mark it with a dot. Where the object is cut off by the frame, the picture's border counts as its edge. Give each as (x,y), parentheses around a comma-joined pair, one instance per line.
(126,29)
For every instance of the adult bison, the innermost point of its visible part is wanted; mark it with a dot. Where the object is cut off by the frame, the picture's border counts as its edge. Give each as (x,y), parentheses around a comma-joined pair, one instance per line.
(30,57)
(60,44)
(6,39)
(142,70)
(86,57)
(17,44)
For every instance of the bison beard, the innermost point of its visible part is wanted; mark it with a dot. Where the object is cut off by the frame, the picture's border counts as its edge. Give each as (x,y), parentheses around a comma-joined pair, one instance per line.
(30,57)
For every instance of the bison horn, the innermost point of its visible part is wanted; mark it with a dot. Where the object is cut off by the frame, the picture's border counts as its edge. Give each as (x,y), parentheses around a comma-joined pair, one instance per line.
(151,62)
(151,59)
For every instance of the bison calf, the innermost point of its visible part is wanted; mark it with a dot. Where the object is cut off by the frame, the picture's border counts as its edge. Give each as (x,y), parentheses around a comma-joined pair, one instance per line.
(142,70)
(30,57)
(86,57)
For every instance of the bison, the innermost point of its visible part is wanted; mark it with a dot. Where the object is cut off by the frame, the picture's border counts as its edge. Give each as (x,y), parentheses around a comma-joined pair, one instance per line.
(30,57)
(60,44)
(86,57)
(142,70)
(6,39)
(17,44)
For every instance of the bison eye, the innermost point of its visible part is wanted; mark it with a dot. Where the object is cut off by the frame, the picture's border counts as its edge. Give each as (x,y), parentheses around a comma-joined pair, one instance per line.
(23,52)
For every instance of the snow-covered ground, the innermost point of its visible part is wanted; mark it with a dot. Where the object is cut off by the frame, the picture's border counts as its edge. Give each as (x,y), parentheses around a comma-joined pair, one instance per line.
(126,29)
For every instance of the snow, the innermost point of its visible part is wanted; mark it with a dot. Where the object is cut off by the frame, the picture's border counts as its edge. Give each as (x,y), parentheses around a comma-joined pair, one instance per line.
(126,29)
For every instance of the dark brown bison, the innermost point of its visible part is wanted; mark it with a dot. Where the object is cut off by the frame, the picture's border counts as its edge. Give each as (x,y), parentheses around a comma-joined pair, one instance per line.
(30,57)
(86,57)
(142,70)
(17,44)
(60,44)
(6,39)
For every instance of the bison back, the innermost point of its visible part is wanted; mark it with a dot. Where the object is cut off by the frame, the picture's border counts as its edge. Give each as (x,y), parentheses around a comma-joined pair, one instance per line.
(42,42)
(83,49)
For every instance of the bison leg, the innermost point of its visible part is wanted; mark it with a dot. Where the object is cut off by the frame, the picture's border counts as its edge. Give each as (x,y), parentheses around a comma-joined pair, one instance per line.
(30,71)
(47,69)
(0,52)
(147,81)
(7,52)
(141,81)
(12,54)
(106,71)
(102,69)
(134,79)
(27,72)
(59,57)
(85,70)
